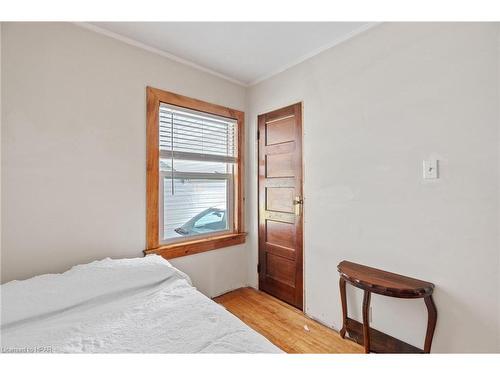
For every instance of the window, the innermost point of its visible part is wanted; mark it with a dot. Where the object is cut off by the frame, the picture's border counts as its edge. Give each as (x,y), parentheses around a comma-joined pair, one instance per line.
(194,175)
(197,161)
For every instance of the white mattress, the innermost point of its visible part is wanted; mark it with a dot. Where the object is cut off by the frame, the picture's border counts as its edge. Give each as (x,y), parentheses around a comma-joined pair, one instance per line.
(139,305)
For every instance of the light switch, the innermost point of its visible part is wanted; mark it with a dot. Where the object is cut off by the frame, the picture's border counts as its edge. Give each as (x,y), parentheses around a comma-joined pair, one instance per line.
(431,167)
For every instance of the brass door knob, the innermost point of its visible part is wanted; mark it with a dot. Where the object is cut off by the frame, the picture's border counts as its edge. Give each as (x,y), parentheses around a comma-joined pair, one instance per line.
(298,202)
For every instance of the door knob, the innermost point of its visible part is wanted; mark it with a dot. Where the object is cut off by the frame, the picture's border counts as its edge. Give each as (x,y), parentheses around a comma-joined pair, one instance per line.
(298,202)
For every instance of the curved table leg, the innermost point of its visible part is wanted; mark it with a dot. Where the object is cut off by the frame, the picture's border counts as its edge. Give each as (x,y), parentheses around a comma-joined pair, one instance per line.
(343,299)
(431,322)
(366,321)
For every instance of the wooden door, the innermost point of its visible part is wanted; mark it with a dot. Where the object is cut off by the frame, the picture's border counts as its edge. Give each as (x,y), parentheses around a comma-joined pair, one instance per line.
(280,204)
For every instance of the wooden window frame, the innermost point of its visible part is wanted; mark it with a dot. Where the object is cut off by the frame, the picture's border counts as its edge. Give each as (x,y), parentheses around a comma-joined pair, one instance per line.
(154,97)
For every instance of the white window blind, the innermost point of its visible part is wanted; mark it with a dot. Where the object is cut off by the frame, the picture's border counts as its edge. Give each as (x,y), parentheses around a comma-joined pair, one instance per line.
(196,136)
(197,162)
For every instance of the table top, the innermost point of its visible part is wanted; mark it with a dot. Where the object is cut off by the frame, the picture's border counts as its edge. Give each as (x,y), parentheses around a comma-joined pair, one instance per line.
(383,282)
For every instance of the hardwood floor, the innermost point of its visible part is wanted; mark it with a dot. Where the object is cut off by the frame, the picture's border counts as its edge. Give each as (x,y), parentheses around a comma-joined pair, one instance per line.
(283,324)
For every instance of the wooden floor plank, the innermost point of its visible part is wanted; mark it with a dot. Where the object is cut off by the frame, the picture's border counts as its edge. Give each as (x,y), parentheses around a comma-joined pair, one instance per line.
(283,324)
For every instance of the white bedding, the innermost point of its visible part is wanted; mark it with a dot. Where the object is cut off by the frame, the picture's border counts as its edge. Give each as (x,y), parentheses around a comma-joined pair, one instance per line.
(139,305)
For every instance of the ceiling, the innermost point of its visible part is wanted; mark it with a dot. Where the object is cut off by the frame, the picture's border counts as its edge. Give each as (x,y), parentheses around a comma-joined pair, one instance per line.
(243,52)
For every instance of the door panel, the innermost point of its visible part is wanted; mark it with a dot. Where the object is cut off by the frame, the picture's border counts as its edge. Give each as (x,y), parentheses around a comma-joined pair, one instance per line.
(280,207)
(280,165)
(281,234)
(280,269)
(280,199)
(280,131)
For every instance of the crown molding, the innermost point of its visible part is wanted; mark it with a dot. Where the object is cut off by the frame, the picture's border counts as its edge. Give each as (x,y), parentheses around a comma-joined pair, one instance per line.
(157,51)
(194,65)
(317,51)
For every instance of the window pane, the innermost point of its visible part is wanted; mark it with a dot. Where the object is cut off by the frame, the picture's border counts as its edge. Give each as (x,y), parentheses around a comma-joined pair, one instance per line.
(194,207)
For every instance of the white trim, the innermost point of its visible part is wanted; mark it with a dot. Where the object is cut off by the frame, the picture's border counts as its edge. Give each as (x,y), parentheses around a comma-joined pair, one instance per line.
(196,156)
(178,59)
(195,175)
(148,48)
(307,56)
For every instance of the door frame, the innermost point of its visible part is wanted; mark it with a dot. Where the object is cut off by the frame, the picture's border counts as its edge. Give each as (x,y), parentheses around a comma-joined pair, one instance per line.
(301,140)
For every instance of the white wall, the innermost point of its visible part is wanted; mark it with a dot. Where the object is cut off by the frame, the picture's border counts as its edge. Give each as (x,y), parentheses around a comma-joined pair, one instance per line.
(498,152)
(73,151)
(0,145)
(374,108)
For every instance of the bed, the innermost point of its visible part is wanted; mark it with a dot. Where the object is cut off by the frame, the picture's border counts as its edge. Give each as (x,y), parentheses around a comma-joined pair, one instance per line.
(142,305)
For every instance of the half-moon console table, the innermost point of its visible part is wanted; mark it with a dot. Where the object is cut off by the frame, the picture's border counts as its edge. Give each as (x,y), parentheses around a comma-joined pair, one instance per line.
(373,280)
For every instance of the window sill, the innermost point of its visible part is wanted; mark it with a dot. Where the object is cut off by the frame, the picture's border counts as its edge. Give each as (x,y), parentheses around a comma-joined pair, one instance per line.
(197,246)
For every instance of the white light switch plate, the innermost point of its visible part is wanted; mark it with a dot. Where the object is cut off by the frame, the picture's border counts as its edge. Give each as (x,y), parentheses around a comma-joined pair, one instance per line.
(430,167)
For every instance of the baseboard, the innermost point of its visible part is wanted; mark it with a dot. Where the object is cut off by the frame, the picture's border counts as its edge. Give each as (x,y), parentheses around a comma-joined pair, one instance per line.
(380,342)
